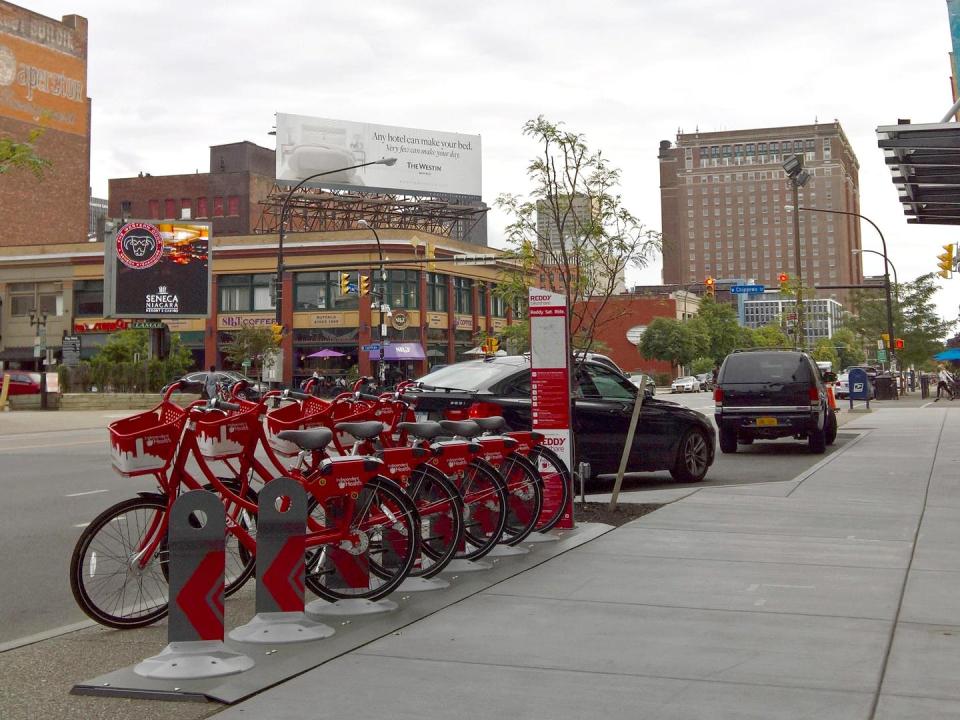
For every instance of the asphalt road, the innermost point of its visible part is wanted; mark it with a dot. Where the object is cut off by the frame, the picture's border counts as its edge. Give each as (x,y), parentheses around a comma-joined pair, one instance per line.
(55,482)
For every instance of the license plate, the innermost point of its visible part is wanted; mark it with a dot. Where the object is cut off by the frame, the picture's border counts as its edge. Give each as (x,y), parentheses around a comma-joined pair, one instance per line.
(421,416)
(766,421)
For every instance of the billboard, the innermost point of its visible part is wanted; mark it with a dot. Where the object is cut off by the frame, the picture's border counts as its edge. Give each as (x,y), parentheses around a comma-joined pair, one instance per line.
(427,160)
(158,270)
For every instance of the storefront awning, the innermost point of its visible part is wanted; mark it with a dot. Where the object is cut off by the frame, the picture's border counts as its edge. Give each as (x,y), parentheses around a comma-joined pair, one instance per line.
(400,351)
(16,354)
(925,163)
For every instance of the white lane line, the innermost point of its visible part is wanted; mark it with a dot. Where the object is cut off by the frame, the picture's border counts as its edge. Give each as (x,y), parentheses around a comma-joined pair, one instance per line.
(87,492)
(52,444)
(81,525)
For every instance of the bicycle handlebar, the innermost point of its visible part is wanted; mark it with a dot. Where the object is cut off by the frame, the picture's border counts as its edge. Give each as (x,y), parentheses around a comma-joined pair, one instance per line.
(173,386)
(366,396)
(224,405)
(295,395)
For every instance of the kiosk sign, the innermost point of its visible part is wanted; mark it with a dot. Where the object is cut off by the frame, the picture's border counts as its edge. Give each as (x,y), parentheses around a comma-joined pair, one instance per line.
(550,377)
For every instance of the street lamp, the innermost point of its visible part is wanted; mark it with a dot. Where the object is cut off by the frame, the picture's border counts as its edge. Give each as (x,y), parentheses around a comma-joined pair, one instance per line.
(798,177)
(886,275)
(39,321)
(381,368)
(896,280)
(283,219)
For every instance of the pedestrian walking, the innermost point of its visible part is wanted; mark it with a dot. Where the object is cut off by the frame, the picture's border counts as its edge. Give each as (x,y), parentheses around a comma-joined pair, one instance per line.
(944,383)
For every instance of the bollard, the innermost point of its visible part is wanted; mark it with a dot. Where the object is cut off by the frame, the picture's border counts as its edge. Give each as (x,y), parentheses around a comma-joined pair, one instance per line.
(281,525)
(195,649)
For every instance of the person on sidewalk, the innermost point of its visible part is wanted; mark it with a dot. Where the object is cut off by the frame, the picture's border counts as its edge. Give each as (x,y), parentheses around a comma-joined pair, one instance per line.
(944,383)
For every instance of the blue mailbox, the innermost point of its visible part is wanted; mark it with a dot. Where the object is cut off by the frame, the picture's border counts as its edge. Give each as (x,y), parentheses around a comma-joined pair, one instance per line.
(859,385)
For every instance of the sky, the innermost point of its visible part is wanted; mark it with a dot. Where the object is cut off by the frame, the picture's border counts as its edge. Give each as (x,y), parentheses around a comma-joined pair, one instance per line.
(170,78)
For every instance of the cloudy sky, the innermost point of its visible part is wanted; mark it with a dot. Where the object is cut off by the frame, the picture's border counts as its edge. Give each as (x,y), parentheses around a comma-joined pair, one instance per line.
(170,78)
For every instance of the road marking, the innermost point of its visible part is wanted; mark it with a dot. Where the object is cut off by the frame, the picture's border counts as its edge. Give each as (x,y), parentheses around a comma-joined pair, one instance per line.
(52,444)
(756,586)
(81,525)
(87,492)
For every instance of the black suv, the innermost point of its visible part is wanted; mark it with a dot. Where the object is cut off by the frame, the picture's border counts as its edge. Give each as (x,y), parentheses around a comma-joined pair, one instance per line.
(769,394)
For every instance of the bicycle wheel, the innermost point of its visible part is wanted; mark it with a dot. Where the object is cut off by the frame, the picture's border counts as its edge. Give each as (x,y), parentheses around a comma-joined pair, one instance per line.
(441,519)
(108,582)
(556,486)
(484,494)
(376,550)
(524,498)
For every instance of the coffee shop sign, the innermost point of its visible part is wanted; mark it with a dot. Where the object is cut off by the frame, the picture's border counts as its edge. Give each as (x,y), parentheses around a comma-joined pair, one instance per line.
(235,321)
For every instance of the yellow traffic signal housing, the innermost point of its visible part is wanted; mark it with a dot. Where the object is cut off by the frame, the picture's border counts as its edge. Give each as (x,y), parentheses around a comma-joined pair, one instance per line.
(946,261)
(344,283)
(364,285)
(493,344)
(711,286)
(276,331)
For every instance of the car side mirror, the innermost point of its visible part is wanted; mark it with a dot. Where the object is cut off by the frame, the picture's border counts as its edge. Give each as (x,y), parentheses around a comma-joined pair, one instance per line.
(829,377)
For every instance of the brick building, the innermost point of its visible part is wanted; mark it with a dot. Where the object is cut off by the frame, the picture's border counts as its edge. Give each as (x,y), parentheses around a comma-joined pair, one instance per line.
(241,176)
(43,68)
(723,198)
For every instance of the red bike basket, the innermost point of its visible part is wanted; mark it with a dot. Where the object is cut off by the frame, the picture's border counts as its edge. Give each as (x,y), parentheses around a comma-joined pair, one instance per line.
(226,436)
(313,412)
(146,442)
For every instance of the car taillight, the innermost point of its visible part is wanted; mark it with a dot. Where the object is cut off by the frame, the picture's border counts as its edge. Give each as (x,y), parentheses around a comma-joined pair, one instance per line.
(455,414)
(483,410)
(814,394)
(718,395)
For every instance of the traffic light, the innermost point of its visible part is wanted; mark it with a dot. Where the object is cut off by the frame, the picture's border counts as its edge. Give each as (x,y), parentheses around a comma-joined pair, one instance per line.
(885,337)
(711,286)
(784,280)
(492,345)
(898,344)
(364,284)
(276,331)
(946,261)
(344,283)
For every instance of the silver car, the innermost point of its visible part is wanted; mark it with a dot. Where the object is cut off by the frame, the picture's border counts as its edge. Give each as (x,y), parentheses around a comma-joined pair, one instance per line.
(687,383)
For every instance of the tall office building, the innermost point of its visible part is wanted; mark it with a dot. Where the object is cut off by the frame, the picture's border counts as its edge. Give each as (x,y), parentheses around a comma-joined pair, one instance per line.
(724,196)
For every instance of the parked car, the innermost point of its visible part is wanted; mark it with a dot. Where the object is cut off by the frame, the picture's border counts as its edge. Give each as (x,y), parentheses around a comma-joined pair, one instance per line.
(644,381)
(841,388)
(668,436)
(705,380)
(196,382)
(22,383)
(769,394)
(688,383)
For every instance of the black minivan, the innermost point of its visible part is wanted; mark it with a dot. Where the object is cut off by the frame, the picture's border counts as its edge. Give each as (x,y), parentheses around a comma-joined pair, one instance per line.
(769,394)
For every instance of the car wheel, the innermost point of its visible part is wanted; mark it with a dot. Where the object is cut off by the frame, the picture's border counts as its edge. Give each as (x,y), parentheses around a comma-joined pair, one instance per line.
(693,457)
(831,427)
(728,440)
(817,440)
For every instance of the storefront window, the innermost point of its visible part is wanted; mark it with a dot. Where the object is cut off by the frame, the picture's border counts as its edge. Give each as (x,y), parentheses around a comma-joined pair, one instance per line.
(88,298)
(245,293)
(482,296)
(498,308)
(312,290)
(436,292)
(463,295)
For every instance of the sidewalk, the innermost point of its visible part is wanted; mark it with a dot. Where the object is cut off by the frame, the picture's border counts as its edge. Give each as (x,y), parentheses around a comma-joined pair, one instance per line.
(833,596)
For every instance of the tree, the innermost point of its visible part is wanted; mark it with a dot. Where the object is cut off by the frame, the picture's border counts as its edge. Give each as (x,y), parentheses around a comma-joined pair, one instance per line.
(702,365)
(254,344)
(23,155)
(672,341)
(771,336)
(915,320)
(572,229)
(825,351)
(849,348)
(719,323)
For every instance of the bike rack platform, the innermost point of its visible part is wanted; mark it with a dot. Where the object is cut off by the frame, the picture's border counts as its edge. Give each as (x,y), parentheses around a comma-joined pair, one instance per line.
(275,664)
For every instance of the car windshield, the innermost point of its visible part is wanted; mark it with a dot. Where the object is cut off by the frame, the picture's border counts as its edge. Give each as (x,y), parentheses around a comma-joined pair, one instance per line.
(470,376)
(685,379)
(765,368)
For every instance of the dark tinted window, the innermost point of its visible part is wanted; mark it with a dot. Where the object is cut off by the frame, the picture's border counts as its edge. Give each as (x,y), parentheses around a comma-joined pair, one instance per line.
(604,383)
(765,367)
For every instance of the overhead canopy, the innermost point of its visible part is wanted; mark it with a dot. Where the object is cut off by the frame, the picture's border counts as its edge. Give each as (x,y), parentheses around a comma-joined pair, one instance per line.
(948,354)
(400,351)
(925,163)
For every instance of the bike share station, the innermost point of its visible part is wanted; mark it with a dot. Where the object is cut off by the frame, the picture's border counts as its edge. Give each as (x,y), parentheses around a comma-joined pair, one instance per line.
(286,636)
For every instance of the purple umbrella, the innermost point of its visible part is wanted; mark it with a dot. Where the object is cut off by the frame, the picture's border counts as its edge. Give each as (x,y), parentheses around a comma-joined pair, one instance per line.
(325,353)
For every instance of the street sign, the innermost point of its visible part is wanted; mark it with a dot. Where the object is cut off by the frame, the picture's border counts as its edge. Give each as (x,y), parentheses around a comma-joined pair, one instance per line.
(747,289)
(371,348)
(881,356)
(70,348)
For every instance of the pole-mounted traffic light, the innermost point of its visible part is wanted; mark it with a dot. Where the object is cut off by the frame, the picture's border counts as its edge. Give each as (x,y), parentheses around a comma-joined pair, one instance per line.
(784,280)
(364,284)
(898,344)
(711,286)
(946,261)
(344,283)
(493,344)
(276,332)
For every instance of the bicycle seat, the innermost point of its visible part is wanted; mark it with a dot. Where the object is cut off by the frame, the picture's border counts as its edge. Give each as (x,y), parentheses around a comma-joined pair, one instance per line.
(462,428)
(490,424)
(363,430)
(312,439)
(424,430)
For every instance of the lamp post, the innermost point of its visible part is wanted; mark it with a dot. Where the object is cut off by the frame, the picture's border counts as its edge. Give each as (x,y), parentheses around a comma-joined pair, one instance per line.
(886,275)
(283,219)
(896,280)
(798,178)
(382,367)
(39,321)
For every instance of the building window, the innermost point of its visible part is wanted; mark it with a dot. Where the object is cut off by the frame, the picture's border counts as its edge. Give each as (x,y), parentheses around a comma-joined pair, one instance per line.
(245,293)
(186,204)
(155,209)
(312,290)
(170,208)
(402,289)
(498,308)
(233,205)
(88,298)
(40,297)
(436,292)
(463,295)
(202,210)
(126,207)
(218,206)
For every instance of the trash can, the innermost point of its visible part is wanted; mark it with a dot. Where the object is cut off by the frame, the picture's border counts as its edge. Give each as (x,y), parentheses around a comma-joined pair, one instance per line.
(924,386)
(885,387)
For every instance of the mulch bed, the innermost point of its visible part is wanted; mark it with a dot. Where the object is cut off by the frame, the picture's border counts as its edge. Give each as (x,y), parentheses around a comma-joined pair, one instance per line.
(621,514)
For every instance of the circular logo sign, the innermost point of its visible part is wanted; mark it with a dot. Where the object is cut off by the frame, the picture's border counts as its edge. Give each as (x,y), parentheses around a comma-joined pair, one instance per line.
(400,320)
(139,245)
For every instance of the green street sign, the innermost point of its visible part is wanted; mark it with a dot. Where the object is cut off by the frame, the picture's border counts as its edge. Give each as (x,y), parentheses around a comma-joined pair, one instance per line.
(881,355)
